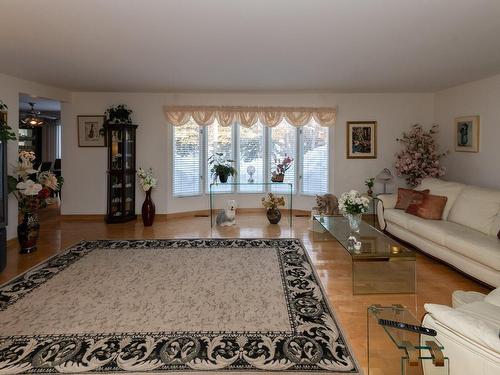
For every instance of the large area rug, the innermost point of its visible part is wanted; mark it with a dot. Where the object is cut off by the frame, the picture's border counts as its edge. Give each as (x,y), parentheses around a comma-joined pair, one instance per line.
(172,306)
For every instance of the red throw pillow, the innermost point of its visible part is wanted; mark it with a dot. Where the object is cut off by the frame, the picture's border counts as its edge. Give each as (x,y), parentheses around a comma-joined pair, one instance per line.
(408,196)
(431,207)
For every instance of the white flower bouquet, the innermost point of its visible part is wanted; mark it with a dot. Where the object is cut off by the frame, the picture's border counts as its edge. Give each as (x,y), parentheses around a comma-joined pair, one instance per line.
(146,179)
(353,203)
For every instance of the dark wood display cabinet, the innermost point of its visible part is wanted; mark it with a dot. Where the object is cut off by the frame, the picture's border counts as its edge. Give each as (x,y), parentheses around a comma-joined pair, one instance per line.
(3,205)
(121,172)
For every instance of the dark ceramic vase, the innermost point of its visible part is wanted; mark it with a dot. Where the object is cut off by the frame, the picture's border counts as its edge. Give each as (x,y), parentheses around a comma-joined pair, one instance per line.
(274,215)
(148,210)
(223,178)
(27,232)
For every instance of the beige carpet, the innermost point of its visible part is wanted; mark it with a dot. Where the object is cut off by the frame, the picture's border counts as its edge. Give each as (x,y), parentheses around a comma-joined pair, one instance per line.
(171,306)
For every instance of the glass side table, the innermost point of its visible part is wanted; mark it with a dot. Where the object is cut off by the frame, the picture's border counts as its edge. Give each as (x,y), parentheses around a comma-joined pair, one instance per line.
(395,351)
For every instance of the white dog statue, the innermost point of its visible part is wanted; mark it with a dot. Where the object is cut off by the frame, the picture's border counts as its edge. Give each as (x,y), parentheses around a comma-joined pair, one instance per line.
(227,217)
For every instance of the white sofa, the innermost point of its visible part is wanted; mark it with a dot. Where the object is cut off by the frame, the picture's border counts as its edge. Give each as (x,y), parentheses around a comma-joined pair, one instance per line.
(469,332)
(465,238)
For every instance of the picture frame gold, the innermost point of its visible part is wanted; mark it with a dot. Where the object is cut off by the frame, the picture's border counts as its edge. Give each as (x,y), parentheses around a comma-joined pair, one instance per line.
(467,133)
(89,131)
(361,140)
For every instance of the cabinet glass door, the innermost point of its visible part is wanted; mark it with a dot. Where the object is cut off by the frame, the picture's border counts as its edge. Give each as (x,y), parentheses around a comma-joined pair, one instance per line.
(116,195)
(129,150)
(116,150)
(129,194)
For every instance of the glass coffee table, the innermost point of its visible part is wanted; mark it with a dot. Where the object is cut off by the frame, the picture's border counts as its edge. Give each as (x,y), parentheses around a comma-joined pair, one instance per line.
(380,264)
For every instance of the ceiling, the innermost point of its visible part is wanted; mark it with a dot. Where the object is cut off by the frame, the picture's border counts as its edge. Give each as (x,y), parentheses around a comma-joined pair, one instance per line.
(41,104)
(252,45)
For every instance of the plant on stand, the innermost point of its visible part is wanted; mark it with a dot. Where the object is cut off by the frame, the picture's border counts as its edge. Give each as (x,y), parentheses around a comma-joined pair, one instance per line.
(6,133)
(221,167)
(148,182)
(353,206)
(33,190)
(420,157)
(271,203)
(369,183)
(281,166)
(119,114)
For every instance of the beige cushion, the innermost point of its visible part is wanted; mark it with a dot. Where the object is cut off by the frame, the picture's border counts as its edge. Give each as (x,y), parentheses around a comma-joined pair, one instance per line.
(482,310)
(476,208)
(398,217)
(434,230)
(475,245)
(449,189)
(493,297)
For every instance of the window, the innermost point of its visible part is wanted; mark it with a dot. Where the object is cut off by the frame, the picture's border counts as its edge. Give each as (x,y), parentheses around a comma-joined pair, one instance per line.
(283,142)
(314,175)
(251,155)
(58,142)
(253,149)
(187,160)
(219,140)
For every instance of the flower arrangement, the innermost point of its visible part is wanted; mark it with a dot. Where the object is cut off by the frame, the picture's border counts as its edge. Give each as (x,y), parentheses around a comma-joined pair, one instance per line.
(146,179)
(221,167)
(6,133)
(353,203)
(272,202)
(33,189)
(420,157)
(281,166)
(369,183)
(119,114)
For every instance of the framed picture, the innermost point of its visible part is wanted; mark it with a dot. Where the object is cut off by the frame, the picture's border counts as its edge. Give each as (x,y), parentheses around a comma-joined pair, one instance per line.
(361,139)
(467,134)
(89,131)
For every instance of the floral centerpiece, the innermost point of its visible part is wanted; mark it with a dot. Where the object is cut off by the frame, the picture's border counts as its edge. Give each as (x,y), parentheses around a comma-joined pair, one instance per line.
(33,190)
(369,183)
(420,157)
(353,205)
(221,167)
(147,181)
(271,203)
(281,166)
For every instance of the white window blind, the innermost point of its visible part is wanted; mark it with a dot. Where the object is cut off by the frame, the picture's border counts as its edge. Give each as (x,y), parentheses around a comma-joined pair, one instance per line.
(283,142)
(219,140)
(187,153)
(251,155)
(58,142)
(314,176)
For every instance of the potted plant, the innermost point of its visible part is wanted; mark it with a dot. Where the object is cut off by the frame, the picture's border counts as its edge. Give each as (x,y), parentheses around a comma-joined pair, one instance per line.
(147,181)
(271,203)
(33,190)
(6,133)
(119,114)
(220,167)
(281,166)
(369,183)
(353,205)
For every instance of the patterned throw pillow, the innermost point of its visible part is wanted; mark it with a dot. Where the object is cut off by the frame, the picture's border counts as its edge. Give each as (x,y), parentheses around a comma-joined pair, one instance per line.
(408,196)
(431,207)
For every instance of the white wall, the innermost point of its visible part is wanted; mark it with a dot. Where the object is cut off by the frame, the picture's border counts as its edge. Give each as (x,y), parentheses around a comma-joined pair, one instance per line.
(84,169)
(10,88)
(475,98)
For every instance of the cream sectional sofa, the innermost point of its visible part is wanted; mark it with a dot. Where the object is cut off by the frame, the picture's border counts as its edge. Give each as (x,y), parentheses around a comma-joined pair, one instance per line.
(465,238)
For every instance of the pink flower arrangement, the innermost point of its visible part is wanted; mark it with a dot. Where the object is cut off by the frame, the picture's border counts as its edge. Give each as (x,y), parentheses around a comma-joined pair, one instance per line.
(283,165)
(420,157)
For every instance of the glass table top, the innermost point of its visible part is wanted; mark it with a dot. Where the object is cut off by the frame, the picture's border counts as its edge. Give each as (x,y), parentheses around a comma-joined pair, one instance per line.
(374,243)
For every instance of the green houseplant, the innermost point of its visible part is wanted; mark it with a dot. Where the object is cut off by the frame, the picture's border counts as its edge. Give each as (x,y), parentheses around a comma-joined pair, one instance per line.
(6,133)
(221,167)
(119,114)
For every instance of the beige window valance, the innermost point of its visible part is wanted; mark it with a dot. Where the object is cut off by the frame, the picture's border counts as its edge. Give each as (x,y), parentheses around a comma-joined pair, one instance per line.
(248,116)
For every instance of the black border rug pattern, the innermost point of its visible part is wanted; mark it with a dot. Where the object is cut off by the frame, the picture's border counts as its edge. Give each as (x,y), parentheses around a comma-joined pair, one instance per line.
(315,343)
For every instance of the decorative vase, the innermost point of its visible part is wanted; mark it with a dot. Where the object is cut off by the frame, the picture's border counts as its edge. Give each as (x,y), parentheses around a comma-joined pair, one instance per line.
(148,210)
(273,215)
(27,232)
(370,192)
(278,177)
(354,220)
(223,178)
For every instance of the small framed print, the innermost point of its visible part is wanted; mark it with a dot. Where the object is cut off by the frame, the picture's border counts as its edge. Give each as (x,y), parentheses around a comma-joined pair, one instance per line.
(90,131)
(467,134)
(361,139)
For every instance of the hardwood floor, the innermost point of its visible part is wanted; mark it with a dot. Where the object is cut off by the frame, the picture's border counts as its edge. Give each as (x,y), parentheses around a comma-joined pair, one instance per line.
(435,281)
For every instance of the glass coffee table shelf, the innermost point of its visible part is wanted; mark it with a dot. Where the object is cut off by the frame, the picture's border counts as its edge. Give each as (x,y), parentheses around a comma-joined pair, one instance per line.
(380,264)
(395,351)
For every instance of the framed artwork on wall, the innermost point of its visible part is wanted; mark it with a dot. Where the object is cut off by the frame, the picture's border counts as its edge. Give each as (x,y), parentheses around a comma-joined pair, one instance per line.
(467,134)
(361,139)
(91,131)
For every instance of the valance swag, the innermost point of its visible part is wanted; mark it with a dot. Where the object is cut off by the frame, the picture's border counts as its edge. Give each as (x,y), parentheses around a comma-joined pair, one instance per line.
(248,116)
